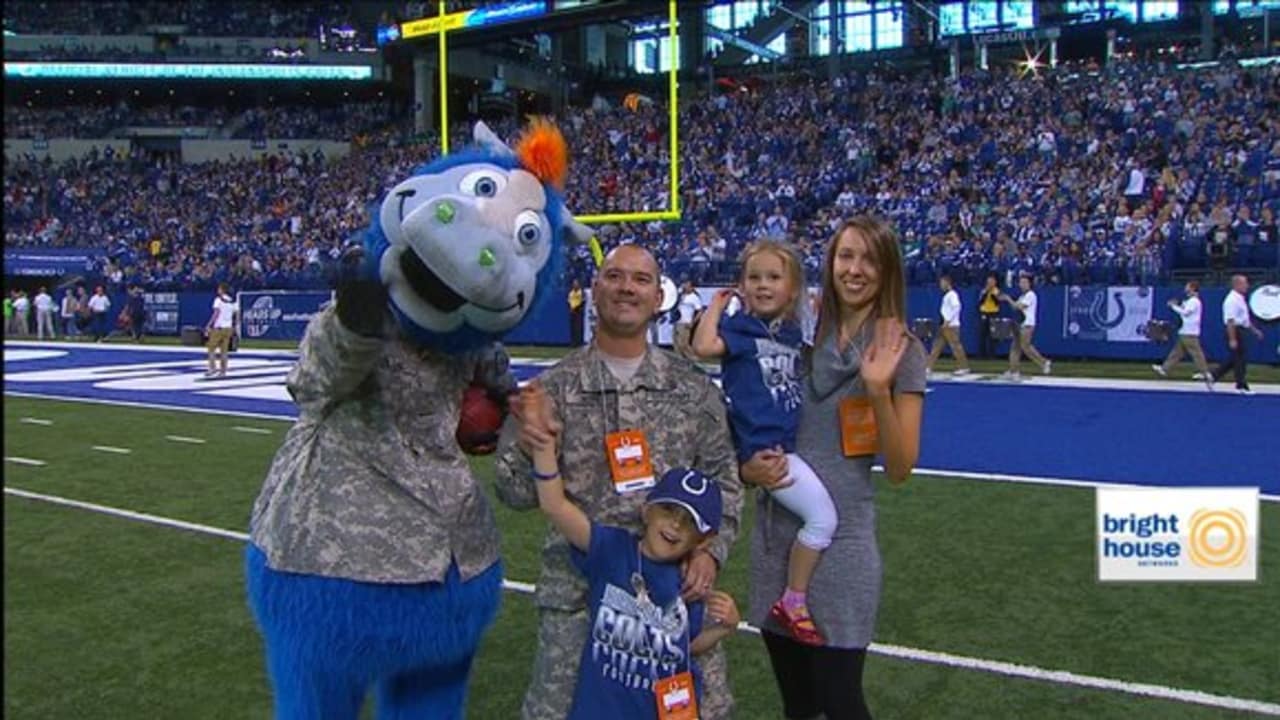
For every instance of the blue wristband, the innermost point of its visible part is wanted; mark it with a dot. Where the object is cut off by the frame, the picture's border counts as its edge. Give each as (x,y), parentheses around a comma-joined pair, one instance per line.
(543,477)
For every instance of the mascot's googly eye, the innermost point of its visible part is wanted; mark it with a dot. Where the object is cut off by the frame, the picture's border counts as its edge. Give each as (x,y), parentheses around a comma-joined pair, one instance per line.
(528,228)
(483,183)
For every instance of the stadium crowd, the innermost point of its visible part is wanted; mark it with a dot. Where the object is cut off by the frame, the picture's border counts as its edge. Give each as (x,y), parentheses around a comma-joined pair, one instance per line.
(99,121)
(1074,175)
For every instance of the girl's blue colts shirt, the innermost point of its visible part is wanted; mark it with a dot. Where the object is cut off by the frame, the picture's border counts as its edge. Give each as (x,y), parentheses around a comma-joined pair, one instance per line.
(761,379)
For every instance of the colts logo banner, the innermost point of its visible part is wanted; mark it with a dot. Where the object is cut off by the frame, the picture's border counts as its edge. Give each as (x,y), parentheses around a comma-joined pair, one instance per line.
(1180,534)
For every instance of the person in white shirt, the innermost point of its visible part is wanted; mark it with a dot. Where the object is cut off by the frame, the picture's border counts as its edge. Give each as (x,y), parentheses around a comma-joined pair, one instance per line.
(1136,182)
(221,325)
(1188,335)
(1026,304)
(70,307)
(1235,315)
(99,304)
(21,311)
(688,306)
(949,333)
(44,315)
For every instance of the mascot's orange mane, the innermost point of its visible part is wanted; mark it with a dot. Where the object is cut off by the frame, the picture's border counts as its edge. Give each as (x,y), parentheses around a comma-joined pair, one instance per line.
(542,151)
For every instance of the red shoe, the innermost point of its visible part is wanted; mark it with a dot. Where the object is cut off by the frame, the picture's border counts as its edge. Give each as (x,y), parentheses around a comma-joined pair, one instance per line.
(800,626)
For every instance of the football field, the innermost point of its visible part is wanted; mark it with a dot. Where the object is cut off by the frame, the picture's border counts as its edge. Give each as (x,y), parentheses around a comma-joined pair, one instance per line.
(124,544)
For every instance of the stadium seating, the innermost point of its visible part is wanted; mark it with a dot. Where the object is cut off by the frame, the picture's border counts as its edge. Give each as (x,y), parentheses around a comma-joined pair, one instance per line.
(1074,176)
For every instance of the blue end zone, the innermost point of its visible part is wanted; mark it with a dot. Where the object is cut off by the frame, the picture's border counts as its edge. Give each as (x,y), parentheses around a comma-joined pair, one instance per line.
(1121,436)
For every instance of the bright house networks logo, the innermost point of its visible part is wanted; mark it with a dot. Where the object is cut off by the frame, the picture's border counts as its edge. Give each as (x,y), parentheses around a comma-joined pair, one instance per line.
(1187,534)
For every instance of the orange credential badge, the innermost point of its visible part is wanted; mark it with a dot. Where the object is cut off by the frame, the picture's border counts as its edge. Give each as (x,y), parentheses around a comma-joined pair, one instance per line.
(676,699)
(858,433)
(629,461)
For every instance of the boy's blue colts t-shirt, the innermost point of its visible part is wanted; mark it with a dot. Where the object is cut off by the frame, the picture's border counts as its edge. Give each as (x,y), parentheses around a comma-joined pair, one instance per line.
(631,643)
(761,379)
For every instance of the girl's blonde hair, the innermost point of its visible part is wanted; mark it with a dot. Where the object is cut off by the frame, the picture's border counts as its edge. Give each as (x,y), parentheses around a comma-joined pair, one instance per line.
(790,267)
(886,253)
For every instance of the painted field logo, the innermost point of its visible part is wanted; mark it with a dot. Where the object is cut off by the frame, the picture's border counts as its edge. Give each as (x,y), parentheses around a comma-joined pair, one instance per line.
(1183,534)
(1218,538)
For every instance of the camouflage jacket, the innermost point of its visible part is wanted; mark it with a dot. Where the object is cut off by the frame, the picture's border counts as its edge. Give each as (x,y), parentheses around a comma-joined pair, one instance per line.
(681,412)
(370,484)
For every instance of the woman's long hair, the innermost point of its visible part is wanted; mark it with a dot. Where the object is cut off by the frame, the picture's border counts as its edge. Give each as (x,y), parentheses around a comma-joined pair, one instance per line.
(886,253)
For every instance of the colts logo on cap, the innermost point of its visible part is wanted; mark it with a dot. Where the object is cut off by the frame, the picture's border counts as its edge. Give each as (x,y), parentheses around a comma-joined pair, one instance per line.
(691,475)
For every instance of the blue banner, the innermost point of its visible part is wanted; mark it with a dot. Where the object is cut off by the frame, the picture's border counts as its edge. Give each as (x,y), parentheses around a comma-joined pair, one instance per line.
(50,262)
(163,312)
(1107,313)
(278,314)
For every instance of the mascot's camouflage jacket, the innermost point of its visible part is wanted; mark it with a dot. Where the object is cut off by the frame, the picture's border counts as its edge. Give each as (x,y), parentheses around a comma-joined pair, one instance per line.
(370,484)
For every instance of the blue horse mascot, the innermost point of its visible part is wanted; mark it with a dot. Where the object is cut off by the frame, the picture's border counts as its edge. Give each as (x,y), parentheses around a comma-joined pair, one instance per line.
(373,560)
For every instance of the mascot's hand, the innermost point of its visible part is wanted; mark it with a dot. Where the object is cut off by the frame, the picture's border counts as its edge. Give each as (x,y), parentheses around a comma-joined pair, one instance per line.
(362,300)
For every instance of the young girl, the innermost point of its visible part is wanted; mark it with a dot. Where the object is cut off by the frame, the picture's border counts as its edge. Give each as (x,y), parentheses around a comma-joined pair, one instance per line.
(760,352)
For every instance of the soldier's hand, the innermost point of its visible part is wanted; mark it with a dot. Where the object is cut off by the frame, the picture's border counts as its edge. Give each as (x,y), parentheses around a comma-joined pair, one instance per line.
(699,570)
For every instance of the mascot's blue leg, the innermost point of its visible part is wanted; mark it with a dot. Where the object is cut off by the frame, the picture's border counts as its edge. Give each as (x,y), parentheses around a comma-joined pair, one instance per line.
(432,693)
(309,681)
(439,690)
(329,639)
(304,689)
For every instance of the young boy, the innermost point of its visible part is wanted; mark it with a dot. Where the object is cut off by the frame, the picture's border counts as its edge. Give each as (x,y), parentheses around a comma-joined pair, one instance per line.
(638,660)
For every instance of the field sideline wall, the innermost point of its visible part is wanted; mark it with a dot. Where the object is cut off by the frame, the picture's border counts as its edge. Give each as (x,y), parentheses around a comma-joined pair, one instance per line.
(281,315)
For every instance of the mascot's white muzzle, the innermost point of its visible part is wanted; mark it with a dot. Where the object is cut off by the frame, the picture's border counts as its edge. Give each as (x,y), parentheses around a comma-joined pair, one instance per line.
(455,255)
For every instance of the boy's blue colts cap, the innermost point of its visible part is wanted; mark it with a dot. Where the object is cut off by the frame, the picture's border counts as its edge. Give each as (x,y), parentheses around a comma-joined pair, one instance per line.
(693,491)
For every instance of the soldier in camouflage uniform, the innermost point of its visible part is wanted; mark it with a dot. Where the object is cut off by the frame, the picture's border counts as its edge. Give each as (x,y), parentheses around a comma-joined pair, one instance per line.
(370,527)
(620,382)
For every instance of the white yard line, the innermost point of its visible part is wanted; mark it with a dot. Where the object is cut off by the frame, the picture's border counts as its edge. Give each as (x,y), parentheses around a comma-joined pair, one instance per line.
(35,421)
(185,439)
(252,430)
(998,667)
(111,449)
(23,461)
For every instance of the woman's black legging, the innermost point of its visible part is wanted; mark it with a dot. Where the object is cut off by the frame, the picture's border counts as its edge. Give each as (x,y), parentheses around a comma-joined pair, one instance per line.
(817,680)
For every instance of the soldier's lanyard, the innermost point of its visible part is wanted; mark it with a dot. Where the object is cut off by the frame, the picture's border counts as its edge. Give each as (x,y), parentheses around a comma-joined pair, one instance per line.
(675,695)
(627,450)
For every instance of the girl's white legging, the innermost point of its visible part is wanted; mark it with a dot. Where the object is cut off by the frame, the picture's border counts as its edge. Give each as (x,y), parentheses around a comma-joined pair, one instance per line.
(807,497)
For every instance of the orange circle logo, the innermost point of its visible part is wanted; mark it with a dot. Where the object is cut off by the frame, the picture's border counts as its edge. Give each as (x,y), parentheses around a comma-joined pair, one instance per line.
(1217,538)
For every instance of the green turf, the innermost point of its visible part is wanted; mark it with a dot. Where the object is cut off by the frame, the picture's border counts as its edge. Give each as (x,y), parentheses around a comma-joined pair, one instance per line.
(105,617)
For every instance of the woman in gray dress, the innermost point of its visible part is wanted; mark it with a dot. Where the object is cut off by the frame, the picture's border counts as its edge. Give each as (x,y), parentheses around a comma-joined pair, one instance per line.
(864,396)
